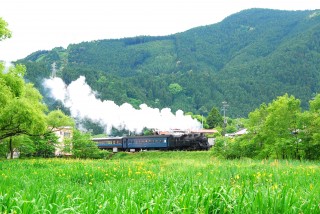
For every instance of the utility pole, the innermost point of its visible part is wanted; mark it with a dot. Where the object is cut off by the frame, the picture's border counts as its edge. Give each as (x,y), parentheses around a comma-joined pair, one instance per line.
(224,108)
(201,121)
(53,70)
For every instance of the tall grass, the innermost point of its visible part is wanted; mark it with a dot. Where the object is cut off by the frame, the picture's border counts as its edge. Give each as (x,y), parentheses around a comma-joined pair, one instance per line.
(159,182)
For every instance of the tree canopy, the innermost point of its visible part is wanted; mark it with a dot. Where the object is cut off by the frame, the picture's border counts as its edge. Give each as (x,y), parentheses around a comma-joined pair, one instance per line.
(21,109)
(4,31)
(278,130)
(214,118)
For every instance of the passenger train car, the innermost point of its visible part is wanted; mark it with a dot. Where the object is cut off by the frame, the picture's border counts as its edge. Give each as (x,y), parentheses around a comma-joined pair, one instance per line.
(154,142)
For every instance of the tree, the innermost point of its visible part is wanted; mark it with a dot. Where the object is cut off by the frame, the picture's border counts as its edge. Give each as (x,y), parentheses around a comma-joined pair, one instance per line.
(82,146)
(214,118)
(57,119)
(19,144)
(273,128)
(24,145)
(309,135)
(278,130)
(44,146)
(22,112)
(175,88)
(4,31)
(21,109)
(256,133)
(280,126)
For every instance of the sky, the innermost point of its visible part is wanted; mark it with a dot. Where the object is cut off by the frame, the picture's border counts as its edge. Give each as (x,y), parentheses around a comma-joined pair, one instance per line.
(45,24)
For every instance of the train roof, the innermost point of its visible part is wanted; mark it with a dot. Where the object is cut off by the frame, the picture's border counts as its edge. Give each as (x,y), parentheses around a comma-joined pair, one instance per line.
(149,136)
(137,136)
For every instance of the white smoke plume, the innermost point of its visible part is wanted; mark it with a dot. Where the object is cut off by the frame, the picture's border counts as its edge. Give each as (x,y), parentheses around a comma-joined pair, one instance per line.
(82,102)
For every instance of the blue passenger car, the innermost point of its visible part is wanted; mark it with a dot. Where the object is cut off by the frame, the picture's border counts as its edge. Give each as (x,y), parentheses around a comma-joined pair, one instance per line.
(109,142)
(146,142)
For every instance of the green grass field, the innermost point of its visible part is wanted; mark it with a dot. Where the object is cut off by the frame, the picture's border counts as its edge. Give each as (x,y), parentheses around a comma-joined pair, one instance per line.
(159,182)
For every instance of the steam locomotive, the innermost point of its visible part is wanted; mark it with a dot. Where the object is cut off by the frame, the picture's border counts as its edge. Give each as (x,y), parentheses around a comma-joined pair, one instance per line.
(154,142)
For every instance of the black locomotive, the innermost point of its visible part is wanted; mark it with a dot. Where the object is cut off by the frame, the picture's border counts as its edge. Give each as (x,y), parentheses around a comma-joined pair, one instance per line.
(154,142)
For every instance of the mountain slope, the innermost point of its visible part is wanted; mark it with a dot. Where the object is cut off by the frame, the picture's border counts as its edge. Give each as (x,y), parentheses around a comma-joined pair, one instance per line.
(249,58)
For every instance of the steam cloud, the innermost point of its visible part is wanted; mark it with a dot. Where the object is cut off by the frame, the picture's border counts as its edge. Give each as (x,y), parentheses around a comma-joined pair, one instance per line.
(83,104)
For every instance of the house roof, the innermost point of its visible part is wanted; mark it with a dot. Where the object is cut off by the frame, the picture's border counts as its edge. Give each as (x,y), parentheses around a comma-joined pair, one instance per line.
(205,131)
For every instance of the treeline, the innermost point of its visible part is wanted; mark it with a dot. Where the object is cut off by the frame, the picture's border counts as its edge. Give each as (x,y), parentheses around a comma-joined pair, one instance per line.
(279,130)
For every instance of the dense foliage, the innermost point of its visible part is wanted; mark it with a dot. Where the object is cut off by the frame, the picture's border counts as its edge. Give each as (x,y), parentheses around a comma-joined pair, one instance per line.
(81,146)
(249,58)
(278,130)
(25,126)
(4,31)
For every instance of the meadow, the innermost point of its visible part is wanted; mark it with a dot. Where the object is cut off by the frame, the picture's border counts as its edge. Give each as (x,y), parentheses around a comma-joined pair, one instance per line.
(159,182)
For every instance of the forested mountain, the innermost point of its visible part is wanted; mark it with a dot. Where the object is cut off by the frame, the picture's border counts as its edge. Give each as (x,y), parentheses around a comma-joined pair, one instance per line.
(249,58)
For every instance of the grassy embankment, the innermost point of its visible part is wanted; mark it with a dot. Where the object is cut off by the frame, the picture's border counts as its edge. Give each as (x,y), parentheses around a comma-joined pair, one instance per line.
(159,182)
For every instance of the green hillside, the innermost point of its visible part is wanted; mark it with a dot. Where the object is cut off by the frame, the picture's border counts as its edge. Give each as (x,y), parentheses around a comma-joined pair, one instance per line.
(249,58)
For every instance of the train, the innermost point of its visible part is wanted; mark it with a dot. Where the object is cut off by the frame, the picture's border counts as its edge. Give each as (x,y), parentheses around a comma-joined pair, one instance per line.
(154,142)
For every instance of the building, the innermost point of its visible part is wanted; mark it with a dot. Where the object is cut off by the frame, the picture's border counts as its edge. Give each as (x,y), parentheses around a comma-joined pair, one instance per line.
(238,133)
(62,133)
